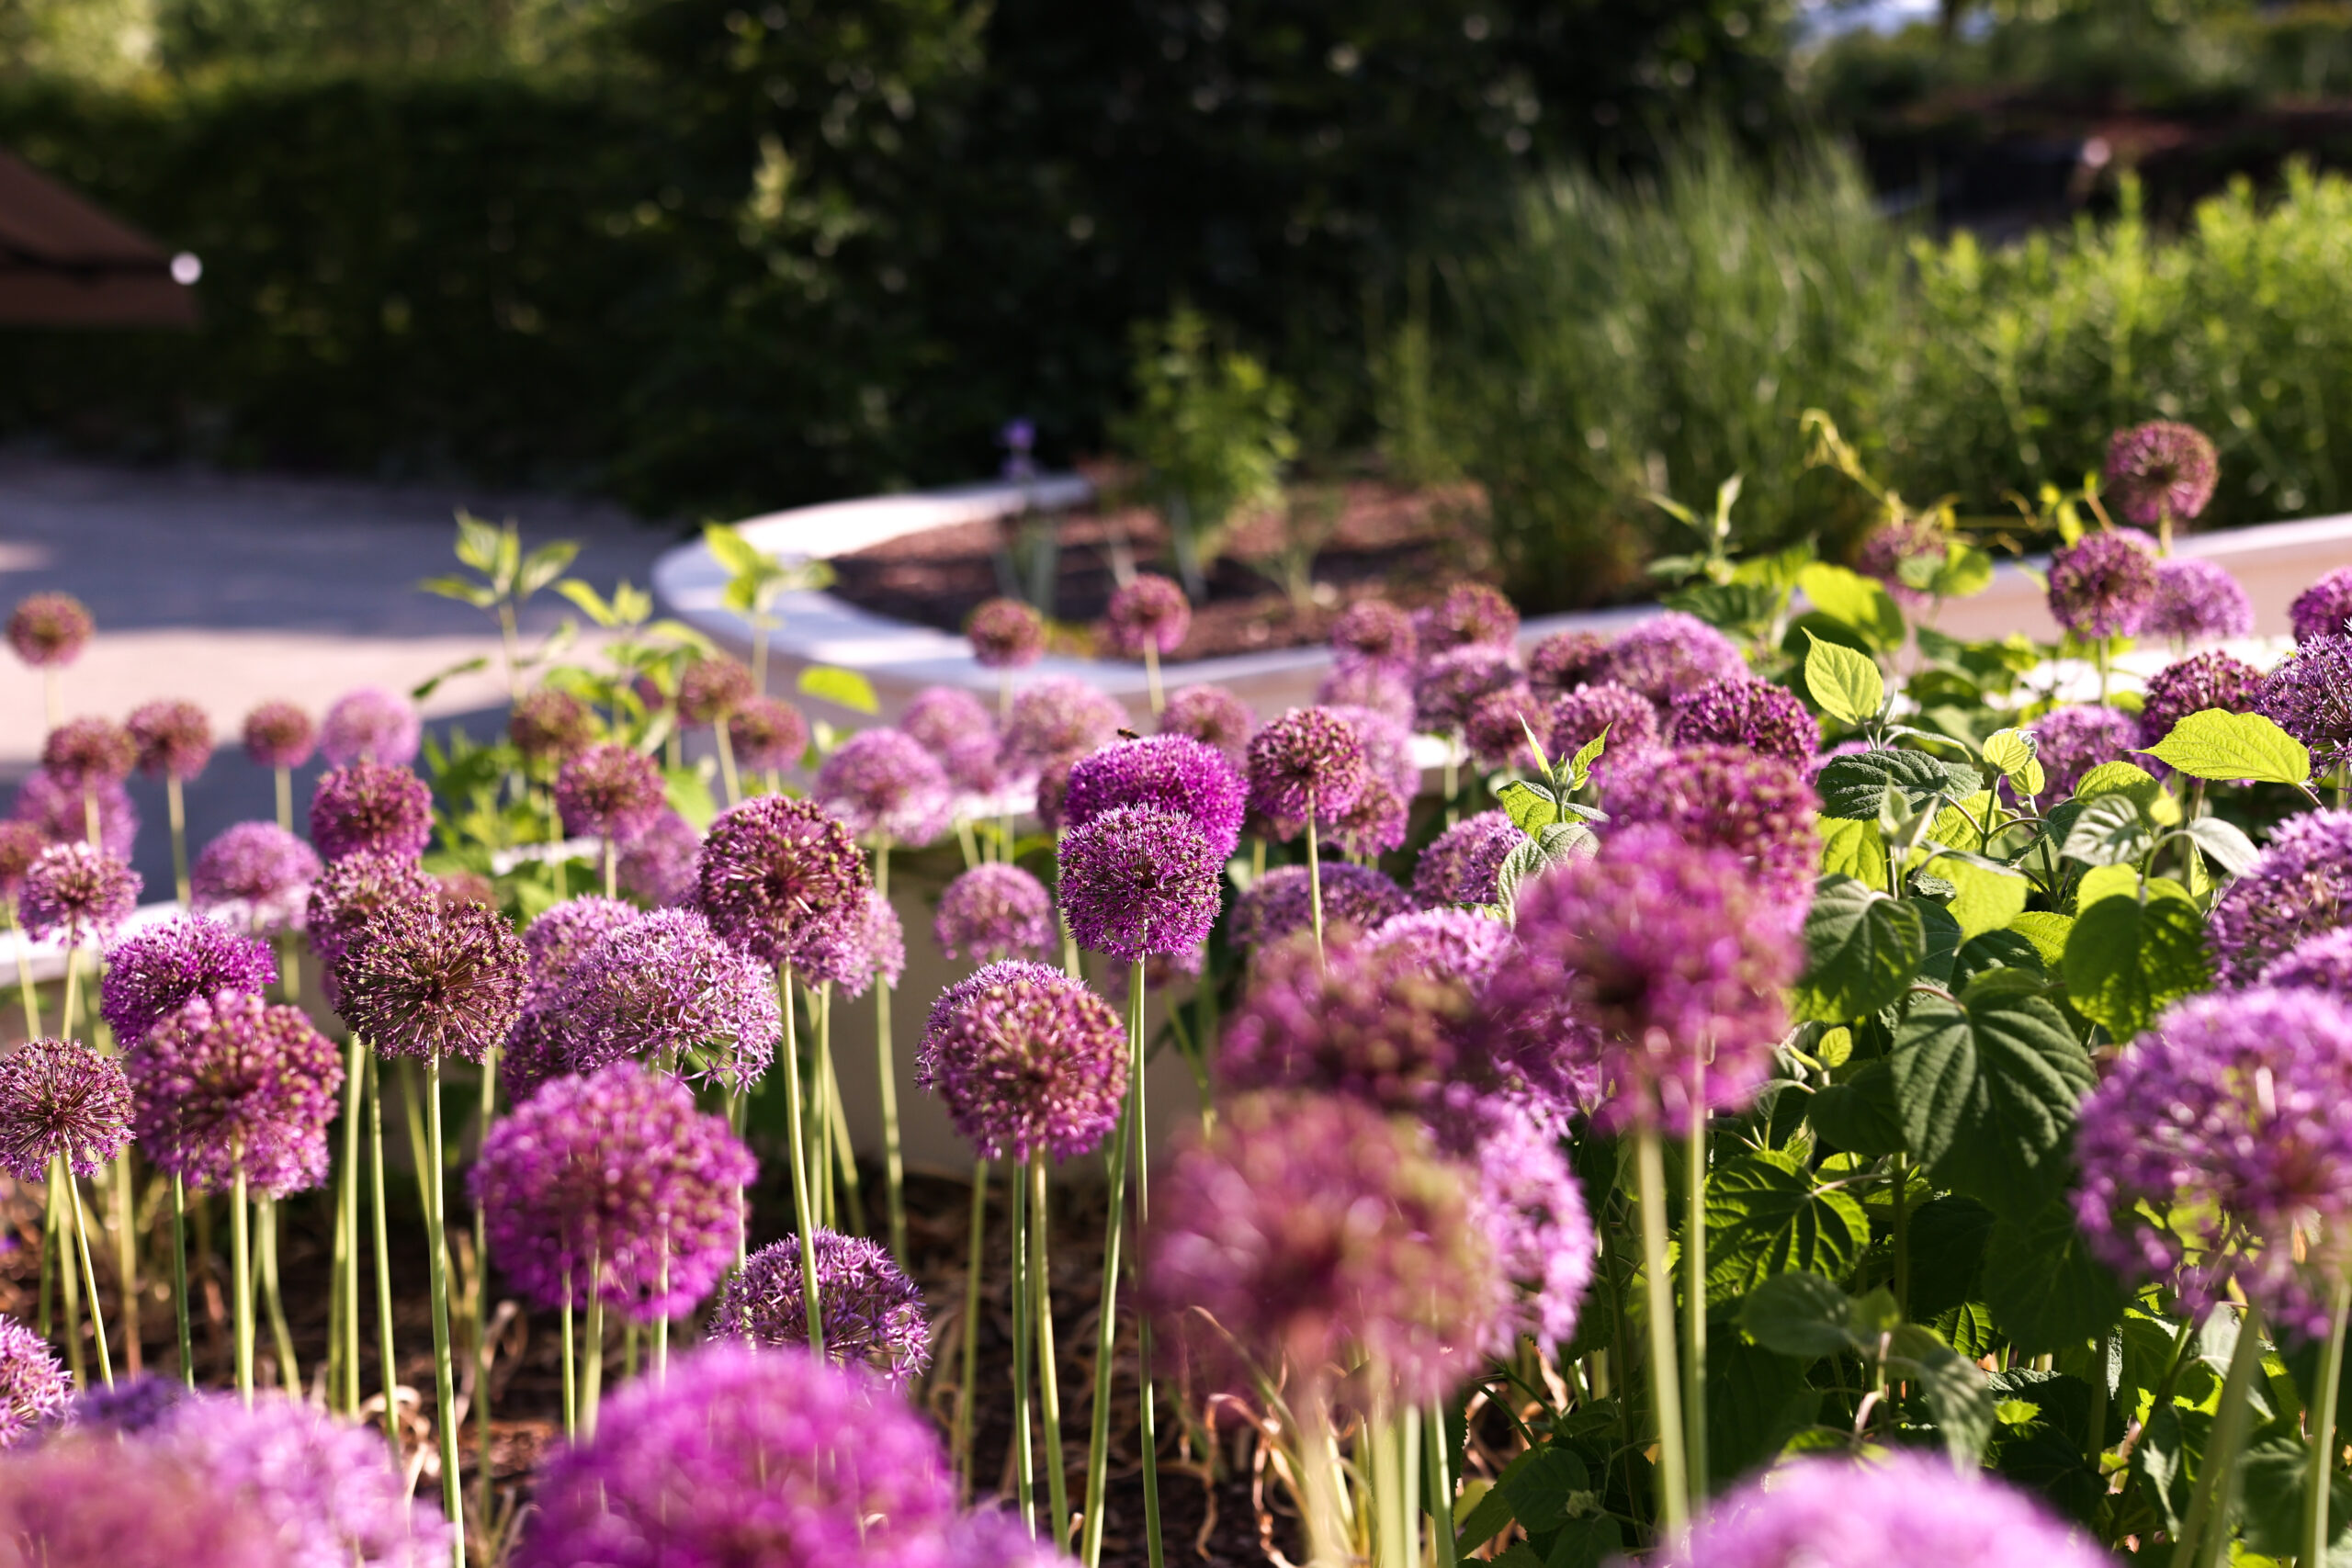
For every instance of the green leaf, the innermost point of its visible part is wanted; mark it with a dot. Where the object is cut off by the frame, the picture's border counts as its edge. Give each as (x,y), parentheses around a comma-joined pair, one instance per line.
(1589,1541)
(1853,849)
(2127,960)
(1860,1115)
(1489,1517)
(1858,788)
(1948,1237)
(1799,1314)
(1541,1485)
(2111,830)
(1530,805)
(2216,744)
(1986,900)
(2274,1472)
(689,796)
(2047,933)
(1987,1090)
(1965,572)
(844,688)
(1765,1216)
(1861,602)
(1863,949)
(2014,755)
(590,602)
(1580,765)
(478,542)
(1951,1386)
(2045,1289)
(2224,843)
(544,565)
(463,590)
(432,684)
(1845,685)
(1757,1399)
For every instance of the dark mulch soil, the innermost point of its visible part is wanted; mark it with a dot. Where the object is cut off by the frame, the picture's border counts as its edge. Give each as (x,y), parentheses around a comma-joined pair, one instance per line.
(1378,541)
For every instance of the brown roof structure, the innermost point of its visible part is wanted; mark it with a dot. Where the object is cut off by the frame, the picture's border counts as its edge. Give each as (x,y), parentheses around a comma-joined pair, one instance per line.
(65,263)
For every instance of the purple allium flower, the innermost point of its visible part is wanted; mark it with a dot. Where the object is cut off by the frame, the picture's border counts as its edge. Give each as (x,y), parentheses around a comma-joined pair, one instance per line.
(1449,685)
(432,980)
(1028,1061)
(1670,654)
(2301,883)
(62,1505)
(1368,688)
(132,1406)
(228,1082)
(1052,784)
(2321,963)
(349,895)
(1312,1229)
(873,1316)
(1498,726)
(1446,945)
(174,738)
(48,630)
(34,1388)
(767,735)
(279,735)
(20,845)
(1151,613)
(1281,902)
(554,942)
(610,792)
(548,726)
(1057,720)
(1470,615)
(1309,761)
(2160,471)
(657,866)
(1361,1020)
(993,912)
(1005,635)
(1565,660)
(371,725)
(152,972)
(884,782)
(82,753)
(1630,718)
(1889,547)
(1527,1201)
(1137,880)
(773,873)
(1211,715)
(1759,808)
(1373,631)
(2228,1118)
(256,875)
(1664,950)
(2201,681)
(78,890)
(739,1457)
(1387,749)
(2309,696)
(1173,772)
(2104,584)
(2197,601)
(371,809)
(977,768)
(1376,823)
(865,944)
(711,690)
(1462,864)
(2324,609)
(461,884)
(1900,1509)
(618,1173)
(2071,741)
(58,1096)
(990,1537)
(663,988)
(939,716)
(1745,712)
(62,814)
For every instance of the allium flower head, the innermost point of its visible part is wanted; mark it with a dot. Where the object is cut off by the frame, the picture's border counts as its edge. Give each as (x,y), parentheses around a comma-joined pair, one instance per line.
(992,912)
(279,735)
(556,940)
(82,753)
(884,782)
(34,1390)
(1151,613)
(657,866)
(1449,685)
(1662,948)
(20,845)
(2208,679)
(78,890)
(1312,1229)
(257,876)
(1454,945)
(2161,470)
(1630,720)
(1900,1509)
(1498,726)
(1387,749)
(2321,963)
(2071,741)
(1173,772)
(349,894)
(61,812)
(1376,823)
(1364,1021)
(371,725)
(433,980)
(768,735)
(873,1316)
(1890,547)
(48,630)
(228,1082)
(774,872)
(618,1173)
(2228,1116)
(1368,688)
(2324,609)
(738,1457)
(1058,720)
(367,808)
(1005,635)
(2301,883)
(1281,902)
(1565,660)
(1527,1202)
(1027,1060)
(1373,631)
(1211,715)
(60,1097)
(1470,615)
(152,972)
(1137,880)
(1309,763)
(175,739)
(1745,712)
(864,944)
(2309,696)
(2198,601)
(1462,864)
(1670,654)
(547,726)
(2104,584)
(1759,808)
(663,988)
(610,792)
(709,690)
(94,1502)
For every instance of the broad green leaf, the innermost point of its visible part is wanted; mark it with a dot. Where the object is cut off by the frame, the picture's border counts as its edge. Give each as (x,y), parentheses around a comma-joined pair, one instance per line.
(1987,1089)
(1863,949)
(2136,784)
(1579,765)
(1486,1517)
(1858,788)
(731,550)
(2111,830)
(1541,1485)
(478,542)
(1853,849)
(1965,572)
(845,688)
(1947,1240)
(689,796)
(2225,842)
(1988,900)
(590,602)
(1799,1314)
(1846,685)
(1588,1541)
(1530,805)
(1757,1399)
(2216,744)
(2275,1472)
(1766,1216)
(1860,1115)
(1952,1387)
(544,565)
(2013,754)
(463,590)
(1960,825)
(2122,881)
(2045,1289)
(2127,960)
(1861,602)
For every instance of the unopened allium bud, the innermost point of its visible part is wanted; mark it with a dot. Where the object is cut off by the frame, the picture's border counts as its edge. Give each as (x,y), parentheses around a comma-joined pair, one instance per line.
(48,630)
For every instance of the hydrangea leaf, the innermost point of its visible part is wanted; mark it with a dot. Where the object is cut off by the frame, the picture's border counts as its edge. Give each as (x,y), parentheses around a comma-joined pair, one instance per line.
(1861,602)
(1860,1115)
(1846,684)
(1863,949)
(1756,1401)
(1541,1485)
(2128,960)
(2124,881)
(1799,1314)
(2217,744)
(2112,830)
(2045,1289)
(2136,784)
(1858,788)
(1766,1216)
(1852,849)
(1947,1238)
(2013,754)
(1952,1387)
(1987,1088)
(1985,899)
(844,688)
(2047,932)
(2225,842)
(1529,807)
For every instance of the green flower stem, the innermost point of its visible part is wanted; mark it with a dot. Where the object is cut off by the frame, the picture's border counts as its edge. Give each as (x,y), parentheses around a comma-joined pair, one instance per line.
(1049,1394)
(286,798)
(482,1347)
(89,1274)
(1319,1482)
(1151,679)
(797,1140)
(592,1371)
(2205,1533)
(1106,1331)
(69,1282)
(179,1283)
(126,1258)
(445,1387)
(240,1271)
(1694,1305)
(613,869)
(727,763)
(1024,1462)
(2318,1533)
(69,1013)
(289,1371)
(1666,1398)
(29,992)
(737,1105)
(894,1168)
(570,1372)
(1408,1464)
(388,1363)
(1434,1459)
(1149,1437)
(175,809)
(1314,876)
(964,1390)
